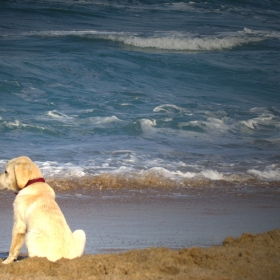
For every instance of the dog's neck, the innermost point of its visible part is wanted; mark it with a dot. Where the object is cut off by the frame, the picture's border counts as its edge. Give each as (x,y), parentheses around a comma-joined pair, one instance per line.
(30,182)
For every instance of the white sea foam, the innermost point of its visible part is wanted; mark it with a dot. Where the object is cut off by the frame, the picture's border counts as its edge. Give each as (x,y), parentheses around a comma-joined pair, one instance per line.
(53,168)
(185,174)
(264,119)
(262,33)
(169,41)
(18,124)
(181,43)
(258,110)
(13,124)
(148,126)
(219,125)
(89,110)
(266,174)
(213,126)
(209,174)
(58,115)
(100,121)
(122,152)
(212,174)
(168,108)
(181,6)
(192,124)
(124,161)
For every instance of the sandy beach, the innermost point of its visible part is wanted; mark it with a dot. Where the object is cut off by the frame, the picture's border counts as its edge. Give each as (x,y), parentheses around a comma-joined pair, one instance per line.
(247,257)
(151,234)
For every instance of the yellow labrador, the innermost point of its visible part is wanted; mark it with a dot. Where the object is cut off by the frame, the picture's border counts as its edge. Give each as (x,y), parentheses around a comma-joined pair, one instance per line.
(37,217)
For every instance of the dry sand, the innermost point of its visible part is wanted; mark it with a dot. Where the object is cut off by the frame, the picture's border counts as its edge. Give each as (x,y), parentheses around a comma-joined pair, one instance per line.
(247,257)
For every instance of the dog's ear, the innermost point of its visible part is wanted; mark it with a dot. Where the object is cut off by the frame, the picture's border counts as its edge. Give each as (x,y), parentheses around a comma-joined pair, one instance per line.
(23,173)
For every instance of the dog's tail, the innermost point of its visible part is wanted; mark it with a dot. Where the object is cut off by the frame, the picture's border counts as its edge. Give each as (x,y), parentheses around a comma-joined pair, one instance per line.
(79,242)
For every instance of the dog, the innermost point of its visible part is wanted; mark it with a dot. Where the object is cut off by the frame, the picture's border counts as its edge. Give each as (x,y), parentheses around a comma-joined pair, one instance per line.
(38,219)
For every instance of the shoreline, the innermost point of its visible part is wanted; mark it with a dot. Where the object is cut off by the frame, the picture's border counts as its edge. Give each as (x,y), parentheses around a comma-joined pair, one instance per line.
(152,180)
(246,257)
(122,220)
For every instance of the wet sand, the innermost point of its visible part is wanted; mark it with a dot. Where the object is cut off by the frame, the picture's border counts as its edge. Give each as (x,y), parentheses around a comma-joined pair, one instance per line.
(120,224)
(120,220)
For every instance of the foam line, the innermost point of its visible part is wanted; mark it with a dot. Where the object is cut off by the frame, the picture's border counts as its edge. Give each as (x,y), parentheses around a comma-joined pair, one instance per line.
(170,41)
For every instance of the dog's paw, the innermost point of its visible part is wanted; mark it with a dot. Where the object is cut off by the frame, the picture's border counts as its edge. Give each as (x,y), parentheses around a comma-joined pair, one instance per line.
(8,260)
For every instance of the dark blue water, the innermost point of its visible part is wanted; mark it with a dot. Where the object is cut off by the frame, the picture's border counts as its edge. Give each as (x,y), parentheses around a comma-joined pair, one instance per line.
(187,89)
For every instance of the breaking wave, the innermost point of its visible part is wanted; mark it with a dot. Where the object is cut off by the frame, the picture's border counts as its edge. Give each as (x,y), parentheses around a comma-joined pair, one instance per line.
(19,125)
(153,180)
(72,177)
(172,41)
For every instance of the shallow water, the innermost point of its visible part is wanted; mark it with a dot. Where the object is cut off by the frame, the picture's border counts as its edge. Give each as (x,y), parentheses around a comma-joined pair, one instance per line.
(121,220)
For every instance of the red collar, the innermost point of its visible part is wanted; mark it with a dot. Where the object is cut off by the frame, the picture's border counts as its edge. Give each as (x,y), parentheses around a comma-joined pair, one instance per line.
(30,182)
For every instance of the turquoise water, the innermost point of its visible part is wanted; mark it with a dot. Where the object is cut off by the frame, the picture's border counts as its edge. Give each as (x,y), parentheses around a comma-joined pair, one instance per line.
(187,89)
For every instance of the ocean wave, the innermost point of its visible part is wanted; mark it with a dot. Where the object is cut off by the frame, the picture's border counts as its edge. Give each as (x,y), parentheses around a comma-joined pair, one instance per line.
(258,119)
(181,43)
(179,175)
(56,115)
(173,41)
(148,126)
(173,120)
(128,165)
(266,174)
(210,125)
(104,121)
(77,120)
(73,177)
(154,180)
(181,6)
(168,108)
(265,120)
(53,168)
(167,120)
(262,33)
(16,124)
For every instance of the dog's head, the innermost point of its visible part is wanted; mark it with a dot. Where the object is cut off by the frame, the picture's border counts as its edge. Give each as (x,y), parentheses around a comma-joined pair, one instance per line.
(18,172)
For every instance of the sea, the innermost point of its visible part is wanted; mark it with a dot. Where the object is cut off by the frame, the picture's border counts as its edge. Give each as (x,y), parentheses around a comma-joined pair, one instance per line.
(143,93)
